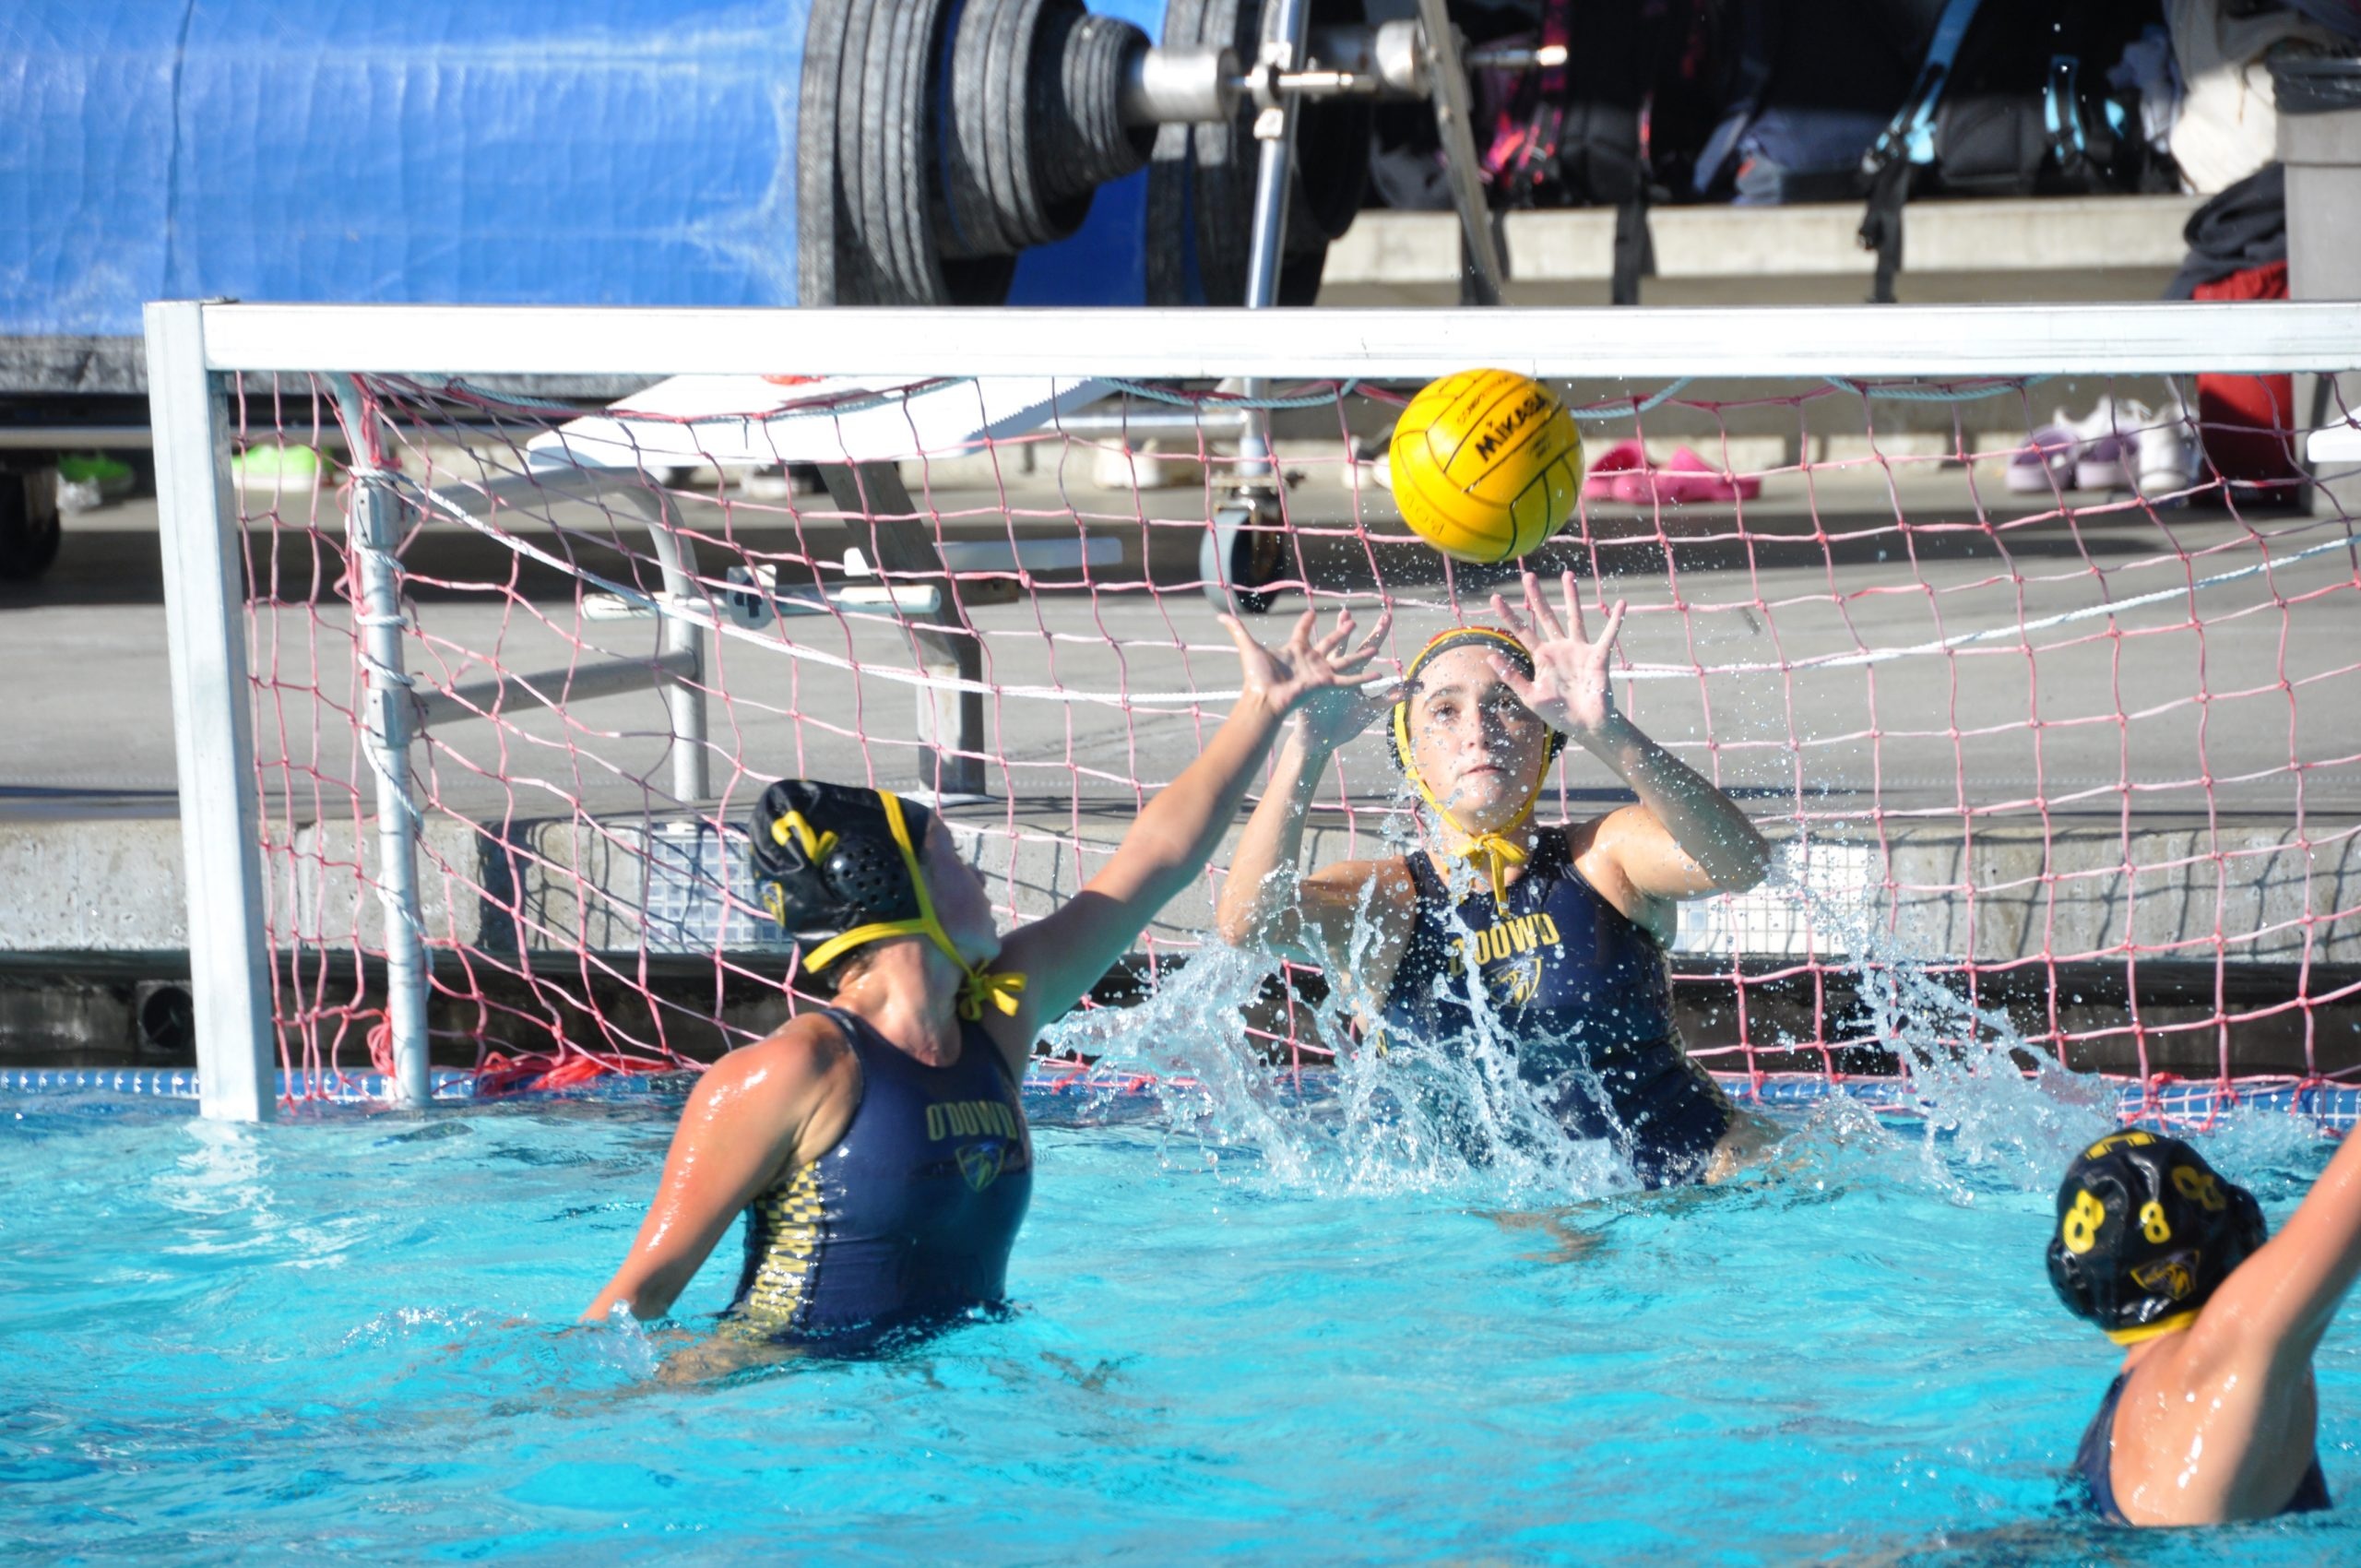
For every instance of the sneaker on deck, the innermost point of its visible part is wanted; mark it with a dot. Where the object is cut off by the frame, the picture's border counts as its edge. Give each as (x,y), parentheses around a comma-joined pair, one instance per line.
(2107,456)
(2046,462)
(2168,457)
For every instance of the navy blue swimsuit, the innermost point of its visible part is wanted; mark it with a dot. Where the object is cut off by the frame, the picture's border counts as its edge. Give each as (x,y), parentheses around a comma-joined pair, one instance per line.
(910,1218)
(1585,994)
(2095,1466)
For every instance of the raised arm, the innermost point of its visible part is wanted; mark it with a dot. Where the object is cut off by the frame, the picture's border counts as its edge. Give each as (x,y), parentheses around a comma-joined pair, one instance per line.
(1065,955)
(2279,1302)
(1685,839)
(738,1133)
(1263,902)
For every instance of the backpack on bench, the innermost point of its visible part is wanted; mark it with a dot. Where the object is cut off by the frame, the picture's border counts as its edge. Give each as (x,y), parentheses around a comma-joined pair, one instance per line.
(1617,124)
(2012,100)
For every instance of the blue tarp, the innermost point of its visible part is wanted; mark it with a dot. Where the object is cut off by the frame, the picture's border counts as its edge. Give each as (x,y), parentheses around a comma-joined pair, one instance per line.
(522,151)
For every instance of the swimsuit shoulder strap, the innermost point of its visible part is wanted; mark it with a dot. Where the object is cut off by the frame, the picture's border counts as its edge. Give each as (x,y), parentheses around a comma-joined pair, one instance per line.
(1423,879)
(974,1039)
(858,1035)
(2095,1461)
(1424,944)
(1564,868)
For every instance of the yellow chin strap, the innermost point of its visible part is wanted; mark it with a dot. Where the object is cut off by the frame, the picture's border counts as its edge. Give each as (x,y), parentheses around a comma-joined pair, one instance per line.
(1496,848)
(2149,1330)
(980,988)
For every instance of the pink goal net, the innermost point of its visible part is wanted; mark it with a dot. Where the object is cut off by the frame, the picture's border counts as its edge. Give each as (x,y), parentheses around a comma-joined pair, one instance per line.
(2046,687)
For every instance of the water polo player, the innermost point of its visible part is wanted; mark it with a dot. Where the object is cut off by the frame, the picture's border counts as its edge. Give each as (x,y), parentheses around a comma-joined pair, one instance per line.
(878,1145)
(2214,1415)
(1558,933)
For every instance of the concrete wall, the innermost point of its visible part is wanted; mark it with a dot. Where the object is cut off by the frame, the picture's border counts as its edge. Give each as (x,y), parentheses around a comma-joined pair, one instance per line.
(2121,248)
(74,890)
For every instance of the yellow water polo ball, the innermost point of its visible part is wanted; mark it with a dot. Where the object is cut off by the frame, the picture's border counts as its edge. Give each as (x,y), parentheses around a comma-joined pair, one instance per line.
(1486,464)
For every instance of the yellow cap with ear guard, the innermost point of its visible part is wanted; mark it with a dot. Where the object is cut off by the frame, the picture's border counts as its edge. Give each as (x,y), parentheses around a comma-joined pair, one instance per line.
(1496,849)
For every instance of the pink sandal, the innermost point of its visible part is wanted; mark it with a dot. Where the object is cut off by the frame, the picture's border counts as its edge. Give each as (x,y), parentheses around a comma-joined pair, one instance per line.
(1686,478)
(1598,484)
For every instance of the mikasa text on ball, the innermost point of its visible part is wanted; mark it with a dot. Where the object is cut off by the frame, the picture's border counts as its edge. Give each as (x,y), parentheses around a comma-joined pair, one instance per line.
(1486,464)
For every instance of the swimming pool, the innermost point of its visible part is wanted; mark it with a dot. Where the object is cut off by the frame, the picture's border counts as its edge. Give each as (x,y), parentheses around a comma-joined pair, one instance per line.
(343,1334)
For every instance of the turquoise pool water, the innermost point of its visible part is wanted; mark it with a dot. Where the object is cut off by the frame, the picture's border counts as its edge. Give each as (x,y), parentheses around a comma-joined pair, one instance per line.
(345,1335)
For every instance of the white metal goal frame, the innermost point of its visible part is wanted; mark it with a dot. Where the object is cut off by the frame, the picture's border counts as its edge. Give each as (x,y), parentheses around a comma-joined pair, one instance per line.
(194,348)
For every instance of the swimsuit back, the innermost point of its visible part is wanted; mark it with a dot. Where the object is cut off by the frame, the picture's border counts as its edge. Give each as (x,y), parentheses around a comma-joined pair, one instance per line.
(911,1215)
(2094,1472)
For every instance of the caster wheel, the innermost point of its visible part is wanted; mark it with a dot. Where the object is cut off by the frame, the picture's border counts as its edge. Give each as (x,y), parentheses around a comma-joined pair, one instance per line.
(1239,558)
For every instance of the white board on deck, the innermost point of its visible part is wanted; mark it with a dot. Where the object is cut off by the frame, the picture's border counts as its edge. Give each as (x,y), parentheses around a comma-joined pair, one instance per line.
(2335,443)
(750,421)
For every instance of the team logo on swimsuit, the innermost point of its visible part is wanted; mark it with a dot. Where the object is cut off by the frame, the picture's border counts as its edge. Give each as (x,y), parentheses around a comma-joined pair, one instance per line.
(1520,936)
(2171,1277)
(965,1118)
(980,1163)
(1516,982)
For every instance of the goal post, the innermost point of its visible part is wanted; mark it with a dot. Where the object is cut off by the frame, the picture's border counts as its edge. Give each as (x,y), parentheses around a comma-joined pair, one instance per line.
(472,693)
(205,599)
(1927,341)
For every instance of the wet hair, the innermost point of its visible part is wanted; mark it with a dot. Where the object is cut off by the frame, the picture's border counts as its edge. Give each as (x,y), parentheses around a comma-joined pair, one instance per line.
(826,862)
(831,982)
(2146,1233)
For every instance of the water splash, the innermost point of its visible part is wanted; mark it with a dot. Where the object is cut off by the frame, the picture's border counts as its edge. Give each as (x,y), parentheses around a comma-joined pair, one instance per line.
(1458,1120)
(1412,1118)
(2276,1156)
(1967,1066)
(1405,1116)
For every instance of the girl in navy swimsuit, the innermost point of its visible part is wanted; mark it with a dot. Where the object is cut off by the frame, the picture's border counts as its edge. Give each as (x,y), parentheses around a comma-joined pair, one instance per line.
(2214,1415)
(878,1146)
(1558,933)
(1583,991)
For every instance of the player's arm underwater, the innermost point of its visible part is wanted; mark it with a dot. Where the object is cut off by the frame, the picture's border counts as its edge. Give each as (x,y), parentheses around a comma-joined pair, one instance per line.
(1685,839)
(1067,953)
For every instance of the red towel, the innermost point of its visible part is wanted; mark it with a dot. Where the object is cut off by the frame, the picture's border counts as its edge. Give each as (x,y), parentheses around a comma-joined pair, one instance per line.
(2247,421)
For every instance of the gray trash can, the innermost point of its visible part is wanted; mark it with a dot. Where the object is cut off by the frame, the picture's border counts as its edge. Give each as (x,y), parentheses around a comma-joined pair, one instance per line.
(2320,141)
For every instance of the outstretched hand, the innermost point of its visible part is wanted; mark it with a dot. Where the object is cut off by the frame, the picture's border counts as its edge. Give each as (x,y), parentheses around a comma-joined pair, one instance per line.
(1568,689)
(1315,676)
